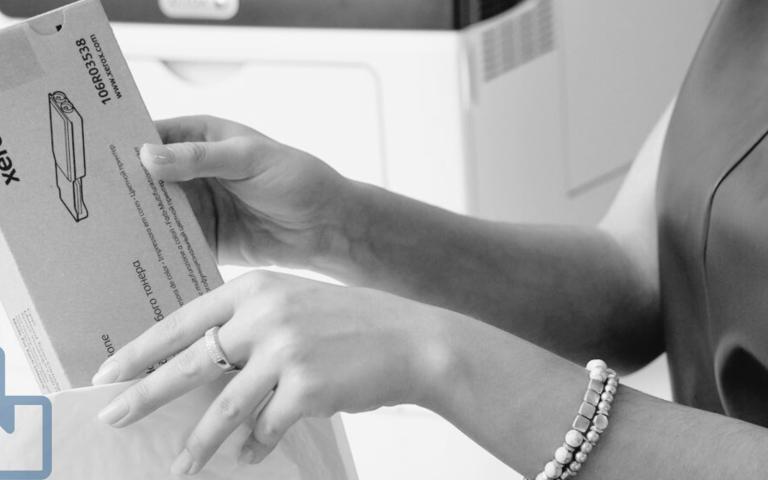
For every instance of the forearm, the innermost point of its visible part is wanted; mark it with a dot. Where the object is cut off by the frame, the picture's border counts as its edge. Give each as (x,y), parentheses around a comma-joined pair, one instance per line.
(518,401)
(543,283)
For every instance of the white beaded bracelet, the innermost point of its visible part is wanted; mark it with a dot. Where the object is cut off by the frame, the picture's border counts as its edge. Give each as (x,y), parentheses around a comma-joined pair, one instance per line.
(589,424)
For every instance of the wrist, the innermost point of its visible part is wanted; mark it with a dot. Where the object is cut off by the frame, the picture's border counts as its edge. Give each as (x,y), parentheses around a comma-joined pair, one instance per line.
(441,375)
(344,241)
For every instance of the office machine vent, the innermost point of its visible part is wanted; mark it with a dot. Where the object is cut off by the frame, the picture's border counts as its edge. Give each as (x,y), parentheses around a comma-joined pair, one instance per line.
(518,40)
(469,12)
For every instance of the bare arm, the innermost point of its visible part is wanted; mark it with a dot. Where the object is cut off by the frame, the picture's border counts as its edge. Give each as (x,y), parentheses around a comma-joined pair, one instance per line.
(546,284)
(572,290)
(261,202)
(518,400)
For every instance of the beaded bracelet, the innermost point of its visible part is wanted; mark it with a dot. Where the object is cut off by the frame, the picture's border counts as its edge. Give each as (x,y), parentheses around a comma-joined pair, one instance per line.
(589,424)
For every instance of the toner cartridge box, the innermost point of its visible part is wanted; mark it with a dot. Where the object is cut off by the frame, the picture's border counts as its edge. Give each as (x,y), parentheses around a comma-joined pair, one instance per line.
(93,250)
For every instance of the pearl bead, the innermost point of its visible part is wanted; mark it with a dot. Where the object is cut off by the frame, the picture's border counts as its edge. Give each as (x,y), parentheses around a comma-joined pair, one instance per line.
(600,375)
(610,389)
(596,364)
(542,476)
(581,457)
(604,407)
(574,466)
(600,423)
(587,447)
(563,456)
(574,438)
(566,475)
(607,397)
(553,469)
(593,436)
(612,381)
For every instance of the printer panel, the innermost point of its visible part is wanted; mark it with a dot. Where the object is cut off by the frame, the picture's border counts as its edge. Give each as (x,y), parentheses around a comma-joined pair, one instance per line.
(376,14)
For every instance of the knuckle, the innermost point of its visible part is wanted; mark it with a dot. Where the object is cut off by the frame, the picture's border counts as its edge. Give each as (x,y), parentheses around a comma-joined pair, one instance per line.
(292,337)
(141,398)
(268,434)
(229,408)
(290,347)
(249,147)
(253,282)
(258,145)
(196,445)
(280,302)
(198,152)
(126,358)
(171,327)
(188,364)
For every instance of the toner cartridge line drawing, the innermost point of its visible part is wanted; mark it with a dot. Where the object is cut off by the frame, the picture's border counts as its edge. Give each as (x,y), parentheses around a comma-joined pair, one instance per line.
(68,145)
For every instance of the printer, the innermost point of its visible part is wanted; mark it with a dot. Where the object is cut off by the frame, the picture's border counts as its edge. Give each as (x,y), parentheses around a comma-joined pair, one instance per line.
(516,110)
(393,14)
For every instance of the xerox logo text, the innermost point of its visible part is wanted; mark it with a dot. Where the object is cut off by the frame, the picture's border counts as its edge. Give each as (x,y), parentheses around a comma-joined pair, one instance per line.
(7,169)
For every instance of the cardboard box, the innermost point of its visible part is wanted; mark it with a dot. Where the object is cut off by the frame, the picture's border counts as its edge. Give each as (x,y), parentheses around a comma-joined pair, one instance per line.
(93,250)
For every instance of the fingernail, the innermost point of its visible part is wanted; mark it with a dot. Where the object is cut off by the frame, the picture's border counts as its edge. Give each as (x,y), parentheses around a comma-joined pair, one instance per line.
(184,464)
(247,456)
(261,454)
(108,373)
(159,154)
(114,412)
(194,469)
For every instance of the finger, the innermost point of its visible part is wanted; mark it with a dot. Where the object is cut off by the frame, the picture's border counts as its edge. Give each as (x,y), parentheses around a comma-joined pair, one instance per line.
(279,414)
(183,373)
(253,452)
(198,128)
(230,159)
(231,409)
(251,447)
(176,332)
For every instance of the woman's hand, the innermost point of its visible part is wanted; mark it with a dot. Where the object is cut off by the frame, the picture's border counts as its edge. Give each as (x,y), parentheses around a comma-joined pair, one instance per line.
(259,202)
(305,348)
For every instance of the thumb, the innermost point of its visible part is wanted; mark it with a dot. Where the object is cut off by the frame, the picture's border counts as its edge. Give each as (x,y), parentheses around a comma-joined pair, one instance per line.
(231,159)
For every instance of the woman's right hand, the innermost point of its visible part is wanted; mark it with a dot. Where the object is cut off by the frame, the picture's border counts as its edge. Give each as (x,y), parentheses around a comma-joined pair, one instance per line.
(259,202)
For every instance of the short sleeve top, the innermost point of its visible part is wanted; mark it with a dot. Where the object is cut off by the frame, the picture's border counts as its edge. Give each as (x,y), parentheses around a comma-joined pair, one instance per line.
(712,205)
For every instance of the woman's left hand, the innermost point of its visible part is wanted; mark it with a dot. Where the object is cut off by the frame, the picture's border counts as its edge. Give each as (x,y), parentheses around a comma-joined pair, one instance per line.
(305,348)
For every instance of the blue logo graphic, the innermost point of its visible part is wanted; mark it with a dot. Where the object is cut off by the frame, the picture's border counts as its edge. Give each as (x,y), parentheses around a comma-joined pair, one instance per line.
(8,423)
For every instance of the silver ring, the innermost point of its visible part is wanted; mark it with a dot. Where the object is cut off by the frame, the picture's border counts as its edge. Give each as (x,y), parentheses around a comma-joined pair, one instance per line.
(213,346)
